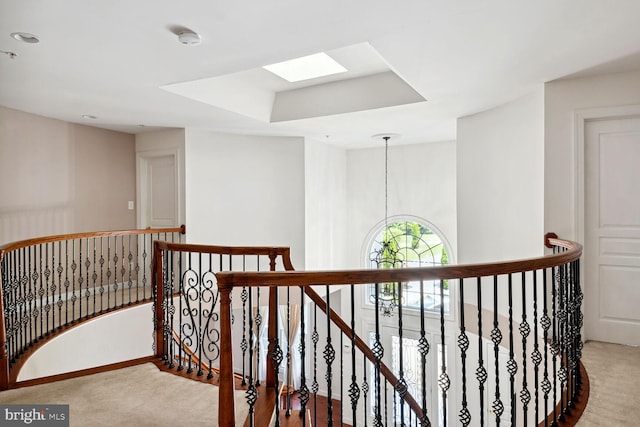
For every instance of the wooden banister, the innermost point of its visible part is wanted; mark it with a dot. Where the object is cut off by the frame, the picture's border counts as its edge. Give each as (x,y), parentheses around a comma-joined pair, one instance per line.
(226,395)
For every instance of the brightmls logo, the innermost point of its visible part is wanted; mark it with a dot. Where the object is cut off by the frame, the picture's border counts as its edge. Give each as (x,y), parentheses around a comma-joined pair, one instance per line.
(38,415)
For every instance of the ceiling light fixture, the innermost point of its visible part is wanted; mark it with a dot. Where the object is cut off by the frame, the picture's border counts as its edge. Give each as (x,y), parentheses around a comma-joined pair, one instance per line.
(306,67)
(189,37)
(11,55)
(387,295)
(89,117)
(25,37)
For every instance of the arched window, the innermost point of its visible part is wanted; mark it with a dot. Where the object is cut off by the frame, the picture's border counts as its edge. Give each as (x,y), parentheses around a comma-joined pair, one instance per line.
(409,243)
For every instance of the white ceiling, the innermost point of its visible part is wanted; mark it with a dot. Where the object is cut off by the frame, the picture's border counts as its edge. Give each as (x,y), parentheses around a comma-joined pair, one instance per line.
(111,58)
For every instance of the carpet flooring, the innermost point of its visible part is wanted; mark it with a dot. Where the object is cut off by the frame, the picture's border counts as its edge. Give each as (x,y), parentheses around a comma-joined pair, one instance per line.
(614,376)
(135,396)
(144,396)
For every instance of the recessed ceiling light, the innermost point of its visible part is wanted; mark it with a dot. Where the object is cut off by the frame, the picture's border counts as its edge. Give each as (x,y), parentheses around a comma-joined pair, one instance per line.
(25,37)
(89,116)
(306,67)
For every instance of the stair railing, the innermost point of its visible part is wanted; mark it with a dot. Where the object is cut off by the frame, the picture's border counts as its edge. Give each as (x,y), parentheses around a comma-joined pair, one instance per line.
(517,330)
(53,283)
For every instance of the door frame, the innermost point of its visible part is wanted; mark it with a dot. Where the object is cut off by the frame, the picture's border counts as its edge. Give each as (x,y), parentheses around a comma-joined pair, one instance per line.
(581,118)
(142,163)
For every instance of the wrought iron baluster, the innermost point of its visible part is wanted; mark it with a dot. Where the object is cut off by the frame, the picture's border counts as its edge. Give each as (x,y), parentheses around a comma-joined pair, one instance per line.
(443,380)
(481,372)
(47,275)
(463,344)
(303,392)
(95,274)
(401,386)
(496,337)
(87,264)
(30,295)
(554,344)
(378,352)
(80,281)
(525,329)
(277,357)
(200,296)
(244,295)
(423,347)
(60,270)
(536,356)
(545,322)
(123,271)
(314,385)
(329,357)
(354,390)
(41,292)
(288,373)
(130,280)
(512,366)
(365,390)
(147,238)
(251,393)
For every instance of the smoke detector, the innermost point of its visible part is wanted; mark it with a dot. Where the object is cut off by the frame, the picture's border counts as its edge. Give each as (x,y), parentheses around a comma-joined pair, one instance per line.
(188,38)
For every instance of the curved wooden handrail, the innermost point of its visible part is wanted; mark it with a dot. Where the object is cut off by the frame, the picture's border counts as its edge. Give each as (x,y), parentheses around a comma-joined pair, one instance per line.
(74,236)
(366,276)
(9,378)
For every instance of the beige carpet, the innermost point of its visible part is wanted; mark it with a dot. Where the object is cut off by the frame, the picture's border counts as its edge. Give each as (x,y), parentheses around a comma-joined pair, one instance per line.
(135,396)
(614,374)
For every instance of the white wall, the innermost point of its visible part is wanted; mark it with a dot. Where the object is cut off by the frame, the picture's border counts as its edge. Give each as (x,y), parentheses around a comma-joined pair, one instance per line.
(562,99)
(422,183)
(325,206)
(500,174)
(245,190)
(116,337)
(60,177)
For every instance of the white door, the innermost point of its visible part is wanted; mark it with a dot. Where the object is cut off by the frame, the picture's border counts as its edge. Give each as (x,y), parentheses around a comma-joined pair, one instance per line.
(612,230)
(159,201)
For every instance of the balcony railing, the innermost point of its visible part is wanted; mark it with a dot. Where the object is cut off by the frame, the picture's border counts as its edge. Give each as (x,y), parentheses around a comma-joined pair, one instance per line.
(53,283)
(505,351)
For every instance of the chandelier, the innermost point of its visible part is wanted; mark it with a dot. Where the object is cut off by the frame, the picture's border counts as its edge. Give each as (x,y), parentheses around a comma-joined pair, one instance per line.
(386,295)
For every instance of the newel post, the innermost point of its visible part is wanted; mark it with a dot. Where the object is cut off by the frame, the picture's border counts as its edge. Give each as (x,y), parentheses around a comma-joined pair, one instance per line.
(158,286)
(272,327)
(4,358)
(226,396)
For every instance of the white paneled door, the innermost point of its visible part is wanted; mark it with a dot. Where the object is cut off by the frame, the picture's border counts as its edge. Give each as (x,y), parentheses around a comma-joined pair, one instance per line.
(158,190)
(612,230)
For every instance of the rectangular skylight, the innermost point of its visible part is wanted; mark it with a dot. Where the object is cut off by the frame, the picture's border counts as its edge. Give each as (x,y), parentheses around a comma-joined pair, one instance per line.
(306,67)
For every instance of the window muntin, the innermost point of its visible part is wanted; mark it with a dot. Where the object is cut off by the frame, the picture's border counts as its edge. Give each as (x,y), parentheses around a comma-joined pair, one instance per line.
(402,244)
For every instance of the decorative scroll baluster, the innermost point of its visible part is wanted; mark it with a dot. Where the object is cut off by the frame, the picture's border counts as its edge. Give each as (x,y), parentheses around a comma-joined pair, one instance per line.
(303,392)
(463,344)
(545,322)
(329,356)
(525,329)
(401,387)
(47,276)
(288,373)
(365,389)
(41,293)
(315,338)
(536,356)
(378,352)
(87,292)
(443,379)
(354,390)
(252,392)
(60,270)
(258,326)
(277,357)
(512,366)
(144,262)
(80,280)
(481,372)
(123,271)
(423,347)
(554,343)
(496,337)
